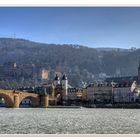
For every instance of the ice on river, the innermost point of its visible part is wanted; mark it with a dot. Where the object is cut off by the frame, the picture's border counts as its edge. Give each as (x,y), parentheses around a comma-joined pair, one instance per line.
(69,121)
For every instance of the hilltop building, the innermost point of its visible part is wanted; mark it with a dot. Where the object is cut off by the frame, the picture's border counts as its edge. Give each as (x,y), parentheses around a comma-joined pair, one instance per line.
(13,75)
(11,70)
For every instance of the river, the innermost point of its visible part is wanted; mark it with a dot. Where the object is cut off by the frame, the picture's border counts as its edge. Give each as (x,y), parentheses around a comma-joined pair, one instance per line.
(69,121)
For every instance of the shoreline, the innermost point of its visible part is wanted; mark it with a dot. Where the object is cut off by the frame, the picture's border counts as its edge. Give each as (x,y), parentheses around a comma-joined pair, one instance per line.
(101,106)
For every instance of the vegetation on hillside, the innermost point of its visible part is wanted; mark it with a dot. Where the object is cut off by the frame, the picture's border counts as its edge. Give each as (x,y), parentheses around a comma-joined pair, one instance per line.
(81,64)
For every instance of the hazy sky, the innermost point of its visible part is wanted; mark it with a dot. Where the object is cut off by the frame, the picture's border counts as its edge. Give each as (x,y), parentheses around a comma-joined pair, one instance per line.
(93,27)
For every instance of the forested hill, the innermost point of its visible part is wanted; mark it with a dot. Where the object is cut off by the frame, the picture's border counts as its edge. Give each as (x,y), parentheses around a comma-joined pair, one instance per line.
(79,62)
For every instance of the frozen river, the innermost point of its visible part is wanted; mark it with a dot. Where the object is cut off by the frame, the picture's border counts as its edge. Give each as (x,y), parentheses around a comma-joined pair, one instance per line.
(69,121)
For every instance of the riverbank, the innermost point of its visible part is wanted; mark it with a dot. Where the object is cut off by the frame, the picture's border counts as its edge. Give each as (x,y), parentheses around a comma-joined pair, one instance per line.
(64,106)
(129,106)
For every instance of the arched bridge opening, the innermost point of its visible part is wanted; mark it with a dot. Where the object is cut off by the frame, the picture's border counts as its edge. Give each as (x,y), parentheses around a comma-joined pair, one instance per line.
(6,100)
(29,101)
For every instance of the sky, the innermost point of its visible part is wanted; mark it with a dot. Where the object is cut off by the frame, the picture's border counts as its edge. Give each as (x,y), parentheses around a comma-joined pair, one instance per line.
(95,27)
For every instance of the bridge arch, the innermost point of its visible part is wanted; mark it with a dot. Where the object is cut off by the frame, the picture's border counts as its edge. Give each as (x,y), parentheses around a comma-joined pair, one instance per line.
(8,100)
(34,100)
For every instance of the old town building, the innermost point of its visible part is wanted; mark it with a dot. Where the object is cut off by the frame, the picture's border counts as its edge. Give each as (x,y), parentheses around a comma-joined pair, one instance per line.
(122,94)
(99,93)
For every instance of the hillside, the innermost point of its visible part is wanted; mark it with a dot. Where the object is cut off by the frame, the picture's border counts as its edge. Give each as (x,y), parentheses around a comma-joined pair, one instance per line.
(79,62)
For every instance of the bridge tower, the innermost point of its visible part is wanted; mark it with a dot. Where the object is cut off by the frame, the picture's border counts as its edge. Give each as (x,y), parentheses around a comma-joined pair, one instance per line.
(56,80)
(65,87)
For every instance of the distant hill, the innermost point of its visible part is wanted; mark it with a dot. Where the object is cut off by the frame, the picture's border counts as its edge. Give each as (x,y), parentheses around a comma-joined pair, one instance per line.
(80,63)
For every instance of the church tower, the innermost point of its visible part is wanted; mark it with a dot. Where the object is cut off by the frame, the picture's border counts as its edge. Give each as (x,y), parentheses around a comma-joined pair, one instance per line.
(65,86)
(139,71)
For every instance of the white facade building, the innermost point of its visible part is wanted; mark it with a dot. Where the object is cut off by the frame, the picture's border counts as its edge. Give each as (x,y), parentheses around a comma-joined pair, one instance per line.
(122,94)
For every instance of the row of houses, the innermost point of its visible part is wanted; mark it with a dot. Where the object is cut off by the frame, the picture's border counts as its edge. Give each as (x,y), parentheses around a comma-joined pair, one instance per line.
(107,93)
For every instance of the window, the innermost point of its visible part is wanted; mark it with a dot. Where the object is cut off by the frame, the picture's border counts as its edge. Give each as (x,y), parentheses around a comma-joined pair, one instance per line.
(137,100)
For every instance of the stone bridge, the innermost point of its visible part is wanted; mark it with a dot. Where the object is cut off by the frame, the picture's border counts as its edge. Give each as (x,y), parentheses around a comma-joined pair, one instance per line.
(14,98)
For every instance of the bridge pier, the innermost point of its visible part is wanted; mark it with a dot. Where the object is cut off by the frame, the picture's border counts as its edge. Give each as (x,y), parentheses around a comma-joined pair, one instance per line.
(46,101)
(16,101)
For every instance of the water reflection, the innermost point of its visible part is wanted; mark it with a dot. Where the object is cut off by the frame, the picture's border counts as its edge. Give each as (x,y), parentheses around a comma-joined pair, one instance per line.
(26,103)
(2,102)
